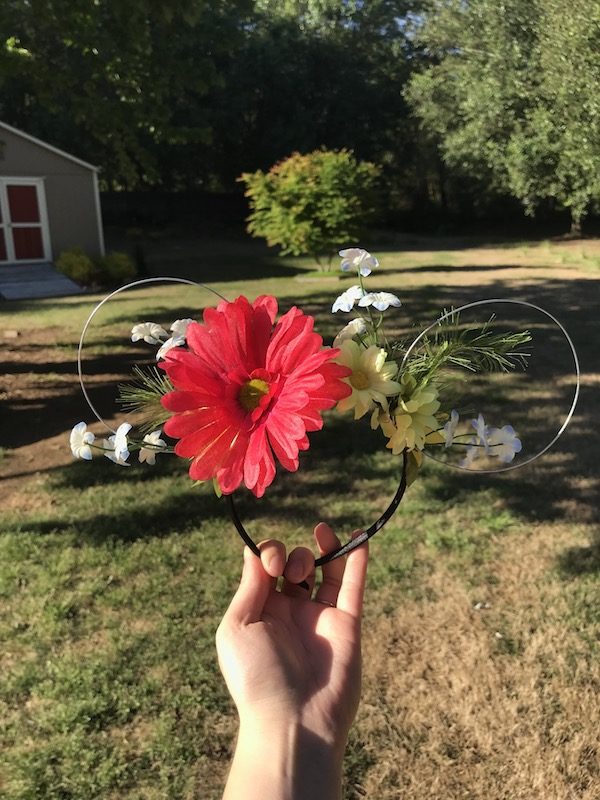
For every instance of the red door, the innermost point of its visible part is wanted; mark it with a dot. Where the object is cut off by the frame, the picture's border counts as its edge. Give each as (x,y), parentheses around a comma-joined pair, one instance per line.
(23,235)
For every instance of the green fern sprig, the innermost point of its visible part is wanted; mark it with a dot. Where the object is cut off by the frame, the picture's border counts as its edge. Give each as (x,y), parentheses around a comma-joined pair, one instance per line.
(144,395)
(475,349)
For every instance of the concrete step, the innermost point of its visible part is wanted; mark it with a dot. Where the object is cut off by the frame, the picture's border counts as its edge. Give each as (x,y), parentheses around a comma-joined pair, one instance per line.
(28,281)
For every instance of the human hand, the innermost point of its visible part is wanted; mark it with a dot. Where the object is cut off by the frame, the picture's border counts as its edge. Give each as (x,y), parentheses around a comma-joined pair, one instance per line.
(289,658)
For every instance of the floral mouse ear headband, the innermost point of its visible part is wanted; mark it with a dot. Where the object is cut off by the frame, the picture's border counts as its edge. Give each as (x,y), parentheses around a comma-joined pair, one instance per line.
(240,391)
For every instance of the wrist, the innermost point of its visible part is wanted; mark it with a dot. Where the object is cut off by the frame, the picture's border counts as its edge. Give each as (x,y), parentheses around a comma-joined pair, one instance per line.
(284,760)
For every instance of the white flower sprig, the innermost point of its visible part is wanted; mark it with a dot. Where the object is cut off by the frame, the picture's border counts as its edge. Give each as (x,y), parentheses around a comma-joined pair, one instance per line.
(153,333)
(347,299)
(148,454)
(150,332)
(502,443)
(357,258)
(81,441)
(379,300)
(118,446)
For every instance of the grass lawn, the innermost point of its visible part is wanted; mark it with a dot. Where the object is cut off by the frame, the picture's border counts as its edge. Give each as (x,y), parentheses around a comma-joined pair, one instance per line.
(481,668)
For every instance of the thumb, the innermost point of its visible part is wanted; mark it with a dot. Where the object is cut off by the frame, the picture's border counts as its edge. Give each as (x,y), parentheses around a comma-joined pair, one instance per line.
(249,600)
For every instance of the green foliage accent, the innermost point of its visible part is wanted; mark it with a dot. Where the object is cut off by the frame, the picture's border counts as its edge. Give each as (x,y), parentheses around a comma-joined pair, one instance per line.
(511,96)
(116,268)
(476,349)
(76,265)
(309,204)
(144,395)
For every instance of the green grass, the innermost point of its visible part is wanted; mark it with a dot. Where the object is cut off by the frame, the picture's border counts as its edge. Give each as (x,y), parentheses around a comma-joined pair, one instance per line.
(110,602)
(113,581)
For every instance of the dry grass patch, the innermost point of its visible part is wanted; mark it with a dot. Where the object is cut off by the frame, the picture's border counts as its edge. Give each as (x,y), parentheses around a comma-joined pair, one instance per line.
(496,701)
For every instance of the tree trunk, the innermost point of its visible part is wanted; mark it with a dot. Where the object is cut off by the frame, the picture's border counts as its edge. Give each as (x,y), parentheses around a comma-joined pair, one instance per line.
(442,183)
(575,232)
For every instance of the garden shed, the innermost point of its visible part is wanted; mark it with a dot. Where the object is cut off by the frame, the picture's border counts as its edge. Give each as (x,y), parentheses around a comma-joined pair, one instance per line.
(49,201)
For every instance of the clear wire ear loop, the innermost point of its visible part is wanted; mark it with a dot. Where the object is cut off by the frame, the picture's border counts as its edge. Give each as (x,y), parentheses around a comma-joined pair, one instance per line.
(547,314)
(142,282)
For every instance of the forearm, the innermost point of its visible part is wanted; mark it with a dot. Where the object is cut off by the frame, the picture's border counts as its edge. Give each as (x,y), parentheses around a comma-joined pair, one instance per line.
(284,763)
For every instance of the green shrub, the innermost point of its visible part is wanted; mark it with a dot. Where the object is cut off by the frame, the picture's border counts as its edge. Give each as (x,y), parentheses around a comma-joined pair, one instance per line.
(77,266)
(312,204)
(116,269)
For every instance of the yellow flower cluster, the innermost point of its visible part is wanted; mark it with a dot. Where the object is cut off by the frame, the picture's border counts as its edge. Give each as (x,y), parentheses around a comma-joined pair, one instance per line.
(413,421)
(371,379)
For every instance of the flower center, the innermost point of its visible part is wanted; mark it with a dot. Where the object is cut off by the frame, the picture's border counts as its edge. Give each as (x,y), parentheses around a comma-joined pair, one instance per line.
(359,379)
(252,392)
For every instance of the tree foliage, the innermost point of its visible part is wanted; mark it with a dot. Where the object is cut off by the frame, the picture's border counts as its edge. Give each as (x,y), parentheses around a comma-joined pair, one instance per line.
(121,84)
(311,74)
(309,204)
(188,93)
(512,95)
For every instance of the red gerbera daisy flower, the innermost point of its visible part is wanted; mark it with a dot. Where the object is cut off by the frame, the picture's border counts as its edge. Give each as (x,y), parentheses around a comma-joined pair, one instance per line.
(246,391)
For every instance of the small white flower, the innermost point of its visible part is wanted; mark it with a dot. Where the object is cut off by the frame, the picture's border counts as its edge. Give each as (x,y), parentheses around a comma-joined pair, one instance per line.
(345,302)
(148,454)
(481,433)
(150,332)
(380,300)
(180,326)
(359,259)
(121,448)
(116,447)
(173,341)
(504,443)
(450,428)
(354,328)
(80,441)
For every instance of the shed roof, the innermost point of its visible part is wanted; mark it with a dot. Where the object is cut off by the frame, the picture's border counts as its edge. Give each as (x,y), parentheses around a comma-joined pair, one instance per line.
(47,146)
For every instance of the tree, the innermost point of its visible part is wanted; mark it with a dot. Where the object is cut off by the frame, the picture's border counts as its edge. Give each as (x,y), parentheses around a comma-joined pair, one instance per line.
(316,73)
(119,83)
(512,96)
(312,204)
(190,93)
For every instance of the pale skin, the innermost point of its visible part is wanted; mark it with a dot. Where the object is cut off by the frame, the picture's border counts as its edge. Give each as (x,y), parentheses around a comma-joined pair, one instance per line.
(291,661)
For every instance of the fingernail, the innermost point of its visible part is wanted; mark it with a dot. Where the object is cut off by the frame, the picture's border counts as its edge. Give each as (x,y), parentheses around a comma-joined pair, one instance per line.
(270,564)
(356,534)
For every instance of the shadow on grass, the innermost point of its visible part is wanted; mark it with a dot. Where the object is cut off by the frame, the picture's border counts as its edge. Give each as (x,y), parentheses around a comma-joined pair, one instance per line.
(581,560)
(550,489)
(204,260)
(161,501)
(185,510)
(143,519)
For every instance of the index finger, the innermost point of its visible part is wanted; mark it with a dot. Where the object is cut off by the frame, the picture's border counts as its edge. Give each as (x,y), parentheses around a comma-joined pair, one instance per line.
(352,590)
